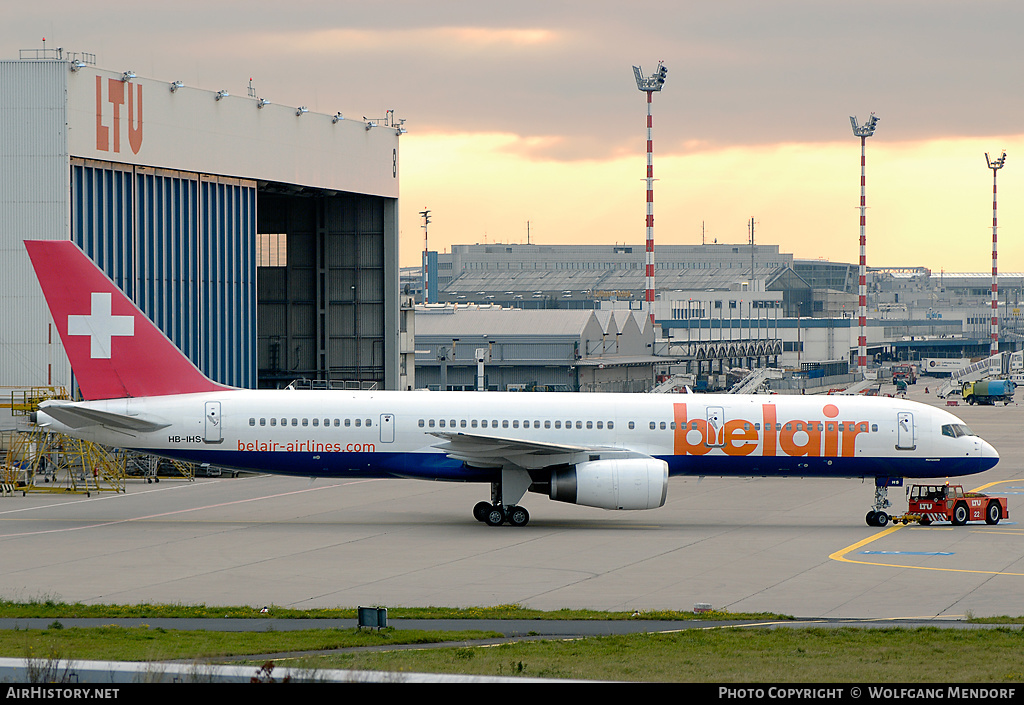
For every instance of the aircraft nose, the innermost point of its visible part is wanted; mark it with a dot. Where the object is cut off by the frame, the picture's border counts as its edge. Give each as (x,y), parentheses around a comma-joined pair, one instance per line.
(989,455)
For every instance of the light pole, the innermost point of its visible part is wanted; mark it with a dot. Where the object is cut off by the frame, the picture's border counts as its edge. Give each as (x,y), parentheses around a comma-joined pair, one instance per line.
(653,83)
(995,166)
(863,132)
(426,259)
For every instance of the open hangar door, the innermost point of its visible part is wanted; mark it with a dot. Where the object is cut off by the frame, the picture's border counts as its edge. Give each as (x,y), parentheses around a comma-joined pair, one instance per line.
(324,303)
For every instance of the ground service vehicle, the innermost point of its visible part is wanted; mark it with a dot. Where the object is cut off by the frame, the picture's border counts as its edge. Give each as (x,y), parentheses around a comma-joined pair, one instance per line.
(908,373)
(928,503)
(989,391)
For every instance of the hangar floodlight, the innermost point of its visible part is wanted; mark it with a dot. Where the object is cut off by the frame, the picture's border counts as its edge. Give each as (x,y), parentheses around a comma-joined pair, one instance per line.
(175,85)
(77,64)
(995,163)
(865,130)
(338,117)
(654,82)
(221,94)
(370,124)
(127,76)
(301,109)
(261,102)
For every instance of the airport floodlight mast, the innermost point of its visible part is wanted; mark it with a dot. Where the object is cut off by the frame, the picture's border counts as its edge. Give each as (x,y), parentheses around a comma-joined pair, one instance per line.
(863,131)
(426,262)
(650,84)
(995,165)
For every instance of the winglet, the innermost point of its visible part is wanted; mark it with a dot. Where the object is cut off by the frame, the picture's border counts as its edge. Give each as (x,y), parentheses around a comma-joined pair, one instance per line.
(114,349)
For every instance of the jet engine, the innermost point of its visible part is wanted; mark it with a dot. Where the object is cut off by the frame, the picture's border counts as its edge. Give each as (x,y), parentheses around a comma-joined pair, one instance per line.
(628,483)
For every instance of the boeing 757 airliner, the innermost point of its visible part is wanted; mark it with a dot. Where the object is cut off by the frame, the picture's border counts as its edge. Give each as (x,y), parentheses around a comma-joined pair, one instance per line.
(614,451)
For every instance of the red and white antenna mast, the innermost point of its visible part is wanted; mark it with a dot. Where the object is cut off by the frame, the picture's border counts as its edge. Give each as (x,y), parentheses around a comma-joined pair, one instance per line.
(863,131)
(995,166)
(649,85)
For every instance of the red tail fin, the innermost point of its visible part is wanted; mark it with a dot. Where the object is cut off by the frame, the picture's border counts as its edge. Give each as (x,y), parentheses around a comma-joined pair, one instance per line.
(115,350)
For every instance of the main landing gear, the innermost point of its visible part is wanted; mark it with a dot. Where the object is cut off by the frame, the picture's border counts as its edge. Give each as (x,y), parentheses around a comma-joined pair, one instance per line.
(502,509)
(496,514)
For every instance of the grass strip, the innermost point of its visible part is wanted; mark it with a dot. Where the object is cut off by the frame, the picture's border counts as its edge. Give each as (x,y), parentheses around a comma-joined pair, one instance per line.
(724,655)
(732,655)
(54,609)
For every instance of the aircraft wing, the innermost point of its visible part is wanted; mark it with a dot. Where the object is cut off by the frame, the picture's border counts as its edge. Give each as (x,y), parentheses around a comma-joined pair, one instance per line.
(74,416)
(481,450)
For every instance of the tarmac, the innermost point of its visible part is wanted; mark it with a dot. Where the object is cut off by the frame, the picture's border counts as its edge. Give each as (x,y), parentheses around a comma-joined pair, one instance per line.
(790,546)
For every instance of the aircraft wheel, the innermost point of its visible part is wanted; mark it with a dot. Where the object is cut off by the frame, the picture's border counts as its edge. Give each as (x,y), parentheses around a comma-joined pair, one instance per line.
(480,510)
(518,516)
(495,516)
(993,514)
(881,519)
(870,518)
(960,514)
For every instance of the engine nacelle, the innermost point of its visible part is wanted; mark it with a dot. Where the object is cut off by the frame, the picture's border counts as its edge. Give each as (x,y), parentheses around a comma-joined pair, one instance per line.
(627,483)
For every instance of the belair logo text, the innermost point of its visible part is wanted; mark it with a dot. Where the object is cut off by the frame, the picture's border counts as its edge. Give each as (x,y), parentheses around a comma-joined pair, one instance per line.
(826,438)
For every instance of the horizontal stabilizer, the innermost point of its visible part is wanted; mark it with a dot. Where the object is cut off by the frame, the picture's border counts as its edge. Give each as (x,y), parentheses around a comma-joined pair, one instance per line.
(74,416)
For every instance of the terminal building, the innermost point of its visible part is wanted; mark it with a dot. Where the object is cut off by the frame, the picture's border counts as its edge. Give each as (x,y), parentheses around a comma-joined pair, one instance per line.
(261,238)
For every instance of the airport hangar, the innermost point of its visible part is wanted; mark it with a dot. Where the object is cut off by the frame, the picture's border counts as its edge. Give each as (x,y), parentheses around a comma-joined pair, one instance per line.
(171,189)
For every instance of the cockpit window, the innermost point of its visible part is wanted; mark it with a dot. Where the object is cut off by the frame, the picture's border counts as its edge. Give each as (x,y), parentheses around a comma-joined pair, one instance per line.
(955,430)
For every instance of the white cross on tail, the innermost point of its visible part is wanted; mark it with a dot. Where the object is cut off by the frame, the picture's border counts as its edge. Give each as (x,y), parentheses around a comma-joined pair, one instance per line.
(101,326)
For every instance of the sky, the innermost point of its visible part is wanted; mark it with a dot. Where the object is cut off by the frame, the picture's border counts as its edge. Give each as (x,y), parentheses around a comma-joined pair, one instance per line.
(528,112)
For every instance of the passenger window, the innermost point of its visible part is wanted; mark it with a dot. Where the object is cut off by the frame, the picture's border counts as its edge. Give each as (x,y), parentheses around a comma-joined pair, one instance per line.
(632,426)
(429,423)
(600,424)
(359,422)
(252,421)
(273,422)
(504,423)
(263,422)
(369,422)
(305,422)
(547,424)
(473,423)
(462,423)
(441,423)
(316,422)
(515,424)
(653,426)
(421,424)
(579,424)
(611,425)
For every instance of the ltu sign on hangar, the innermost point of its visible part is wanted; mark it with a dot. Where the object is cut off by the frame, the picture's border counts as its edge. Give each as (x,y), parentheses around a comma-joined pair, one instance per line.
(173,190)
